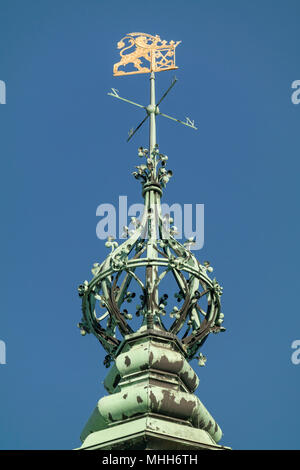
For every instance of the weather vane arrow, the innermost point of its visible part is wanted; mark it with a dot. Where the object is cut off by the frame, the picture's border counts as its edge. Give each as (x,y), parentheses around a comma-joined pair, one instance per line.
(161,56)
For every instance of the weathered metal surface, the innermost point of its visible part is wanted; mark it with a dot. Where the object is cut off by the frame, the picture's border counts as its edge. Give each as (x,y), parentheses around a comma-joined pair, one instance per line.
(154,356)
(148,379)
(95,423)
(141,399)
(150,433)
(112,380)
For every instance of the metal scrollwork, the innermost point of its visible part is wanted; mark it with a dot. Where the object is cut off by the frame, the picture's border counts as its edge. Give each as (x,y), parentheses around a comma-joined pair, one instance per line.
(133,273)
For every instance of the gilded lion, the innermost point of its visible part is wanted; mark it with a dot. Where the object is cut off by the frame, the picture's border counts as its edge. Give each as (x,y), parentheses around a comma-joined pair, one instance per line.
(159,54)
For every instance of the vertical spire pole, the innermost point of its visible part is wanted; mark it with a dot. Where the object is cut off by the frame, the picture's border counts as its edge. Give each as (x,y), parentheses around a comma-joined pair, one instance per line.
(151,271)
(152,109)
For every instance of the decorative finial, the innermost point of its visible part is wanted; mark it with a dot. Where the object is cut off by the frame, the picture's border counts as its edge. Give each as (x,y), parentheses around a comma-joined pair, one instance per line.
(150,252)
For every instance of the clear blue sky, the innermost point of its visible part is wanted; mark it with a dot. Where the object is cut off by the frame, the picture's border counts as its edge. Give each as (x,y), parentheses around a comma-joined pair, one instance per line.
(63,152)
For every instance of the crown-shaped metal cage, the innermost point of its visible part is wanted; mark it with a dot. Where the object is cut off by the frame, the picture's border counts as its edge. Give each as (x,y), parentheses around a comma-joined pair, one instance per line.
(134,272)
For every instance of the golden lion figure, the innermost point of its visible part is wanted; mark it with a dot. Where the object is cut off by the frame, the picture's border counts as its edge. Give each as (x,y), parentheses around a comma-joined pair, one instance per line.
(147,47)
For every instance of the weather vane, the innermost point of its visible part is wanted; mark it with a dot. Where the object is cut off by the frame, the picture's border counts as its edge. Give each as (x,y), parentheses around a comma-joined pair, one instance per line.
(159,54)
(147,54)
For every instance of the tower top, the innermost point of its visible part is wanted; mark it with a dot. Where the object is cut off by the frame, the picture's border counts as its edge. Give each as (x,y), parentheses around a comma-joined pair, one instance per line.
(173,304)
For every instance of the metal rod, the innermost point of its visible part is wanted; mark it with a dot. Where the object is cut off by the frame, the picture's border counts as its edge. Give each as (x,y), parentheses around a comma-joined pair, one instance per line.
(169,89)
(152,108)
(178,120)
(127,101)
(131,133)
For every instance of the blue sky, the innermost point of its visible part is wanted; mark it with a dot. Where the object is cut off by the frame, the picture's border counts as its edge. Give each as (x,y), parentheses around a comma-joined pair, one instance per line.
(63,152)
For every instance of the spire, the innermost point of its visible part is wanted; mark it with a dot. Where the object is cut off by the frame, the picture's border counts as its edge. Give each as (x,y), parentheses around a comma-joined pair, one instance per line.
(150,258)
(152,111)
